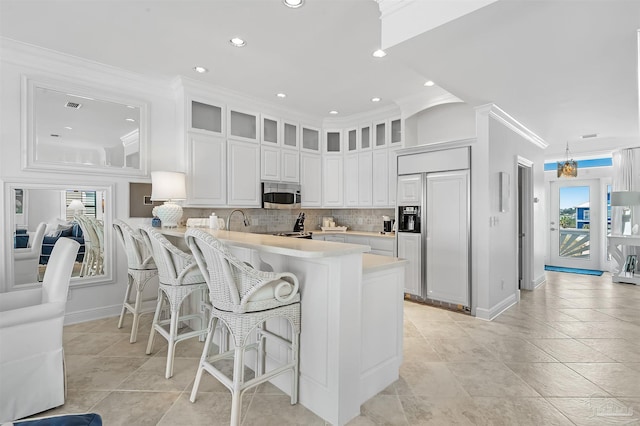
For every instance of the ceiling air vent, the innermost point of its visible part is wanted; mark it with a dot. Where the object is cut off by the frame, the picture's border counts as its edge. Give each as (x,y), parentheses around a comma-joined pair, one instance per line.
(74,105)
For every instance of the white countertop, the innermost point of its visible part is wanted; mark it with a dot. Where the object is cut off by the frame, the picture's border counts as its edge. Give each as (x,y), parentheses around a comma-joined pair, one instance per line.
(376,262)
(296,247)
(363,233)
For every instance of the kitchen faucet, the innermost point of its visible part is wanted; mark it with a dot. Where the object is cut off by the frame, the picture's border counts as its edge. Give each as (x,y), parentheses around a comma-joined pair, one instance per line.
(244,218)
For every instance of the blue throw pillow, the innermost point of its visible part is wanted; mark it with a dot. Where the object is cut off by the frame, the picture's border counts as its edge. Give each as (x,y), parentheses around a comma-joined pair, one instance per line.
(90,419)
(21,241)
(76,231)
(66,232)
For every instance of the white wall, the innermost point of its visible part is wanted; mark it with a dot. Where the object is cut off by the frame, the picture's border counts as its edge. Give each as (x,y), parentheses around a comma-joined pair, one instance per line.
(43,206)
(165,149)
(446,122)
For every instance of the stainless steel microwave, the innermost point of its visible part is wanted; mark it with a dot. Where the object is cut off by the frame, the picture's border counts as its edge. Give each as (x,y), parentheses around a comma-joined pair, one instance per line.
(281,196)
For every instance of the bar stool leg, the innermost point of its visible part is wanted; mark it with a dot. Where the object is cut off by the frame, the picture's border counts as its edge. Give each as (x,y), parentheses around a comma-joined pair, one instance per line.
(127,294)
(236,395)
(156,317)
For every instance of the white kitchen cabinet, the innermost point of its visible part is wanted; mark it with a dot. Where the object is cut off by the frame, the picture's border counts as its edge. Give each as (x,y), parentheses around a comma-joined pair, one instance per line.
(290,166)
(351,180)
(393,176)
(270,163)
(351,142)
(205,116)
(243,125)
(409,249)
(332,181)
(336,238)
(311,179)
(365,178)
(332,142)
(270,131)
(310,139)
(409,188)
(396,135)
(380,178)
(382,245)
(365,137)
(206,170)
(243,163)
(380,135)
(290,135)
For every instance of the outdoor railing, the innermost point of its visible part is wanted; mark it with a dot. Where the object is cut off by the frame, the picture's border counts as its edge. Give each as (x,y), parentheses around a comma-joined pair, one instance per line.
(574,242)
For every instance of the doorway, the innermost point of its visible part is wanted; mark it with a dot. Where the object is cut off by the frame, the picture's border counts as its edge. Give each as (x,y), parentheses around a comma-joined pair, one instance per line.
(525,224)
(575,231)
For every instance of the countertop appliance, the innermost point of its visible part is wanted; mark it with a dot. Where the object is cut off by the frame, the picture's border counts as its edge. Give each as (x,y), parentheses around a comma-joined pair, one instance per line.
(284,196)
(305,235)
(433,234)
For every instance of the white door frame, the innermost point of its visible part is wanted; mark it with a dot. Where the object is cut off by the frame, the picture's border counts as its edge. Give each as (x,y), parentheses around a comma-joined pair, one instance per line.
(595,208)
(524,196)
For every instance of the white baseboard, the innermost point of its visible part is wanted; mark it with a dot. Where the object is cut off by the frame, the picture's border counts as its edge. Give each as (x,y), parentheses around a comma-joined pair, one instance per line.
(539,281)
(494,311)
(102,312)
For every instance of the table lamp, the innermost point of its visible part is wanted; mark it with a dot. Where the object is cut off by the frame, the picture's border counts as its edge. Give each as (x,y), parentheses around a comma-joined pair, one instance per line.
(626,199)
(76,205)
(168,187)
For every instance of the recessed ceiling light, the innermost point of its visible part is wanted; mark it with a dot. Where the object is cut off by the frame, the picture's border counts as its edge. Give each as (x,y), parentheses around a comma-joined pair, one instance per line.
(591,135)
(429,83)
(200,69)
(130,119)
(238,42)
(379,53)
(68,128)
(375,99)
(293,3)
(333,112)
(281,95)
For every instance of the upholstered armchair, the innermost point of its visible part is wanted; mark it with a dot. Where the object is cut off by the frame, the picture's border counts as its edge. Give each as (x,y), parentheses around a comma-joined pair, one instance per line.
(25,260)
(31,356)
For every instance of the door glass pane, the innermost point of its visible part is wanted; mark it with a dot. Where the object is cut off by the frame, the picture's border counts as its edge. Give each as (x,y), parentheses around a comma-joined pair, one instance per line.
(290,135)
(333,141)
(574,214)
(365,137)
(270,130)
(352,140)
(206,117)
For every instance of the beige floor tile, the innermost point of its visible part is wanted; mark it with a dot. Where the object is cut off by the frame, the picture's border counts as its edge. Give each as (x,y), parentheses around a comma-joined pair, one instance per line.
(90,343)
(419,349)
(588,315)
(596,411)
(490,379)
(555,379)
(440,329)
(276,410)
(510,349)
(384,410)
(151,376)
(462,350)
(76,401)
(629,315)
(439,411)
(570,350)
(431,379)
(620,350)
(126,408)
(99,373)
(518,411)
(615,378)
(210,408)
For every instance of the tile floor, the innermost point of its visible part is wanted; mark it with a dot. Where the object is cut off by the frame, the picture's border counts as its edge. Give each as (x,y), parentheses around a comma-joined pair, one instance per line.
(569,353)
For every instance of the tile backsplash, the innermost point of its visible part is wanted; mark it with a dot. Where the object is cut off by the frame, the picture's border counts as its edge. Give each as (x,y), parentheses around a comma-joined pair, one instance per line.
(272,221)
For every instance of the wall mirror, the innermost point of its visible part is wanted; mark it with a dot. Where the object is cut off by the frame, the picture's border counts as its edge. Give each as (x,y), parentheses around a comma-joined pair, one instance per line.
(80,129)
(81,212)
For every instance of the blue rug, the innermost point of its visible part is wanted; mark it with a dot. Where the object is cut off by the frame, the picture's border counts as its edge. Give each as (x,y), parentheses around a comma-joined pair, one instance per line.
(572,270)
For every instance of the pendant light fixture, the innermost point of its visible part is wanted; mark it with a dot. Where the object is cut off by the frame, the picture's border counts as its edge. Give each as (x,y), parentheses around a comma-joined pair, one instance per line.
(569,167)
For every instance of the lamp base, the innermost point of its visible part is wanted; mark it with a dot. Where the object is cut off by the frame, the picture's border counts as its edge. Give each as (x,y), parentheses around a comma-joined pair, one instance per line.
(169,214)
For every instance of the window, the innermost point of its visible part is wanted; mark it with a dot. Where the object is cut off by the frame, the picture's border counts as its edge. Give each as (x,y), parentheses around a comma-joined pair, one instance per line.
(87,198)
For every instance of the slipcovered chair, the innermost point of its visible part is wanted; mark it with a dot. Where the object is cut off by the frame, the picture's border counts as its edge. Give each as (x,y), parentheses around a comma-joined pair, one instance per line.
(32,377)
(26,260)
(179,278)
(140,270)
(244,298)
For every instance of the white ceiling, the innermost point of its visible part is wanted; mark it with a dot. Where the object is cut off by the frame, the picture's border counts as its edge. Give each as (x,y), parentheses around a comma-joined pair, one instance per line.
(562,68)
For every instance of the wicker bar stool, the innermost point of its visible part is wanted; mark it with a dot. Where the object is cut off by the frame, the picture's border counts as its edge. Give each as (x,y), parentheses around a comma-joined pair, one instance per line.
(179,278)
(243,299)
(140,270)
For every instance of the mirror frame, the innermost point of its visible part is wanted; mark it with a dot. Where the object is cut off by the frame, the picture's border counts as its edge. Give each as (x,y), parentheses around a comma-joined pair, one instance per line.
(8,223)
(29,159)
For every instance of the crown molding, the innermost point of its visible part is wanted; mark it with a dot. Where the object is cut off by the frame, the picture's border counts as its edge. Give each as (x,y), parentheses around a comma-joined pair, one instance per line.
(76,69)
(500,115)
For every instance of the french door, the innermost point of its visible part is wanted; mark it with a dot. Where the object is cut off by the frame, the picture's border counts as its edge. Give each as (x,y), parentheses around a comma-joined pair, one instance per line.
(575,224)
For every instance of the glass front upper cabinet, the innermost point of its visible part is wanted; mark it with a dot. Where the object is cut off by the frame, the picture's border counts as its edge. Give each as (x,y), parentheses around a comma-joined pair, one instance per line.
(365,137)
(396,132)
(206,116)
(333,142)
(352,140)
(380,135)
(290,135)
(270,134)
(310,139)
(243,125)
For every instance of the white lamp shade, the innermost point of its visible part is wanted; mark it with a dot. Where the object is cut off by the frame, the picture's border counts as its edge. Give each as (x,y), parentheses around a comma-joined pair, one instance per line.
(625,198)
(168,186)
(76,205)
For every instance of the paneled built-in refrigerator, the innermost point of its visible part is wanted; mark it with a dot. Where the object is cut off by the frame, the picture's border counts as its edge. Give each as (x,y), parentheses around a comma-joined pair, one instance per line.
(433,234)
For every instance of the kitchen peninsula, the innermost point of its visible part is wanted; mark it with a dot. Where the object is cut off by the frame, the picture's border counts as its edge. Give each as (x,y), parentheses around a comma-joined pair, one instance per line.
(352,318)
